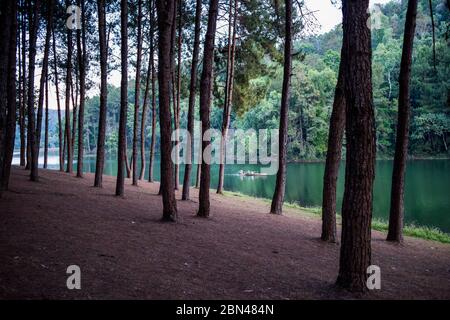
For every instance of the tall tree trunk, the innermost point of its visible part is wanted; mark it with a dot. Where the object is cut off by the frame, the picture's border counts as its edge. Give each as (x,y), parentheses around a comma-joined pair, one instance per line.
(355,255)
(28,146)
(33,141)
(8,92)
(278,196)
(205,104)
(178,108)
(69,168)
(225,106)
(335,137)
(88,143)
(100,162)
(128,164)
(65,141)
(122,154)
(430,5)
(152,67)
(228,91)
(81,53)
(192,92)
(44,74)
(137,91)
(144,118)
(173,84)
(401,148)
(11,94)
(23,91)
(46,125)
(198,173)
(143,122)
(60,130)
(175,116)
(5,33)
(165,15)
(146,95)
(199,160)
(25,83)
(74,91)
(20,90)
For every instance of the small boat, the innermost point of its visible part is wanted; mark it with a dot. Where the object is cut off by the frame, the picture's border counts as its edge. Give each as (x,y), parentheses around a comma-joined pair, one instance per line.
(243,173)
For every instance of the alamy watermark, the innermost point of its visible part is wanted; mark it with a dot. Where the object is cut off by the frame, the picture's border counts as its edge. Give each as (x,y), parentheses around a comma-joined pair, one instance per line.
(74,280)
(374,277)
(236,147)
(375,20)
(73,22)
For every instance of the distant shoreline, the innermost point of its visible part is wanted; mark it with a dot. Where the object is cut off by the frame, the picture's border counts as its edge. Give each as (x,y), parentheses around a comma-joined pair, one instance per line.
(410,158)
(413,158)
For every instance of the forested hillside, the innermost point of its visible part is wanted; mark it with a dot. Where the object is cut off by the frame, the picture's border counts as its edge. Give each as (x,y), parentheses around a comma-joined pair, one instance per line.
(315,76)
(430,88)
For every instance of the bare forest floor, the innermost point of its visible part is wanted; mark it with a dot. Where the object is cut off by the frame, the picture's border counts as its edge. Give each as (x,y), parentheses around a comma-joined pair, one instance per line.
(241,252)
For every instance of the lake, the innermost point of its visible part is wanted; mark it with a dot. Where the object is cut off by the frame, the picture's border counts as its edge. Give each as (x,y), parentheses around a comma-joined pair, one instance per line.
(427,193)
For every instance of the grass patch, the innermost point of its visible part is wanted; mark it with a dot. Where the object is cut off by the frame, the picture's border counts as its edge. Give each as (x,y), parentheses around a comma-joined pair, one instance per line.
(290,205)
(422,232)
(412,230)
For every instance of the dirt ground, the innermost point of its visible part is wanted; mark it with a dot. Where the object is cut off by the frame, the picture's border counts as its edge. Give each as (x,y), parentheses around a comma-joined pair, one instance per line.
(241,252)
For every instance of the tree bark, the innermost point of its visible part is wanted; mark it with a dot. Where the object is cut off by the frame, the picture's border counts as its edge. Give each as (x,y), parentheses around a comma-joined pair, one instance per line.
(144,114)
(5,33)
(34,24)
(44,74)
(146,95)
(205,104)
(74,92)
(20,88)
(173,84)
(228,91)
(335,137)
(23,139)
(25,84)
(69,168)
(199,171)
(100,162)
(165,11)
(46,126)
(355,253)
(152,66)
(433,28)
(81,55)
(137,90)
(11,94)
(401,148)
(8,105)
(123,98)
(177,118)
(278,196)
(28,146)
(60,131)
(64,142)
(128,164)
(192,92)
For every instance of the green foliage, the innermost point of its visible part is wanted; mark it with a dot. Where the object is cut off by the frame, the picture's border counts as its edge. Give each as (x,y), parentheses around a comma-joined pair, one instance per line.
(314,77)
(92,107)
(411,230)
